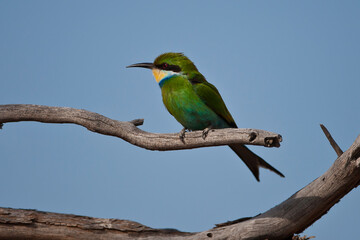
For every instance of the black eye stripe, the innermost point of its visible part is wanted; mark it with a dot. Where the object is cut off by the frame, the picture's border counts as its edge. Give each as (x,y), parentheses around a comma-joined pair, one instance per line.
(169,67)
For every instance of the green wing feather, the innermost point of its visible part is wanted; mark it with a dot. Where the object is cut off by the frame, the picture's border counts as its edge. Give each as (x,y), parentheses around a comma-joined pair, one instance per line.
(212,98)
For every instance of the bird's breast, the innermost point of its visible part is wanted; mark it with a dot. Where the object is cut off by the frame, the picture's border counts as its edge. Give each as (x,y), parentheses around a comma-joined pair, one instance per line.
(185,105)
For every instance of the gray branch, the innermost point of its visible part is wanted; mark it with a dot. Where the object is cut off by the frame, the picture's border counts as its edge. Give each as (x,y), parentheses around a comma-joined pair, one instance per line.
(130,133)
(281,222)
(291,216)
(331,140)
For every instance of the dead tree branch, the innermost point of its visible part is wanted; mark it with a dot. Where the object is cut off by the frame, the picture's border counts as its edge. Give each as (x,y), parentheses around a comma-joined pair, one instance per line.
(35,225)
(281,222)
(291,216)
(130,133)
(335,146)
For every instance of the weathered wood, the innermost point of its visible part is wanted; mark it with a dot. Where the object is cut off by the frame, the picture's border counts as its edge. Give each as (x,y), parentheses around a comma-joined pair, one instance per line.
(130,133)
(303,208)
(332,141)
(32,224)
(291,216)
(281,222)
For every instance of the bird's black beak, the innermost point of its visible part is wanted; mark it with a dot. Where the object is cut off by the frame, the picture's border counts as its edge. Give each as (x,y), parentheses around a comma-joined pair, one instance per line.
(142,65)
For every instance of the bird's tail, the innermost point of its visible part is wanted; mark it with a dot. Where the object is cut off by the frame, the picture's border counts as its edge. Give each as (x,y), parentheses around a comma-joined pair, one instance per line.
(252,161)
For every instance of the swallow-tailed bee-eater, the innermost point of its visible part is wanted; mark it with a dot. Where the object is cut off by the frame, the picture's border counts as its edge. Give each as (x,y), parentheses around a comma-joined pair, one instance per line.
(196,104)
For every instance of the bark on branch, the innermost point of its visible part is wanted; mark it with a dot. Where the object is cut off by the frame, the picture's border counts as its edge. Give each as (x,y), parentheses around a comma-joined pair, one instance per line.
(332,142)
(130,133)
(291,216)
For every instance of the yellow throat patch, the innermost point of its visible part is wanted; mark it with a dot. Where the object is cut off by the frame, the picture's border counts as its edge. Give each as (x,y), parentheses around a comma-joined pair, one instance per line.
(158,74)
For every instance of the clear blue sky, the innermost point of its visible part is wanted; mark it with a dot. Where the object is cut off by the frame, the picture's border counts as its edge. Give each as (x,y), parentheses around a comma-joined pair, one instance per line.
(282,66)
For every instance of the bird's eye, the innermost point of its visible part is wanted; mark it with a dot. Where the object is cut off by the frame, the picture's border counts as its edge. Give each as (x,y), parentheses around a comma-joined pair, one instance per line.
(165,65)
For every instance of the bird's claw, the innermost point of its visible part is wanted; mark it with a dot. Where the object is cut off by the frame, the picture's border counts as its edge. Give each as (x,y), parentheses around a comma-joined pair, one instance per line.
(182,135)
(205,132)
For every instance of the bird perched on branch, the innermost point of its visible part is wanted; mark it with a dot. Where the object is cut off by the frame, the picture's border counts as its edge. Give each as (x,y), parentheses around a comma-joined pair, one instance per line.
(196,103)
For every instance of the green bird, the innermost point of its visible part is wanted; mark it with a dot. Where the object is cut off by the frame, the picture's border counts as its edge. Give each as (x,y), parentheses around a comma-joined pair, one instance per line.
(196,103)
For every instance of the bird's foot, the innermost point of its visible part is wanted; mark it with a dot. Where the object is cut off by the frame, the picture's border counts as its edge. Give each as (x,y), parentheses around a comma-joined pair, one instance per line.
(182,135)
(206,132)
